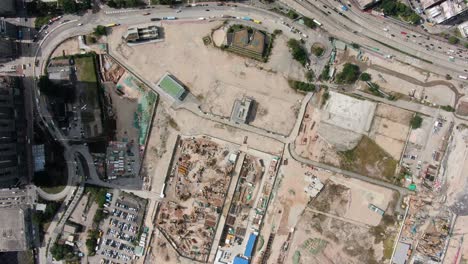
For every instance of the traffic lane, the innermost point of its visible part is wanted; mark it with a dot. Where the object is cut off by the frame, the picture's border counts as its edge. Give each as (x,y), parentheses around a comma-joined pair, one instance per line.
(397,31)
(398,26)
(381,35)
(330,26)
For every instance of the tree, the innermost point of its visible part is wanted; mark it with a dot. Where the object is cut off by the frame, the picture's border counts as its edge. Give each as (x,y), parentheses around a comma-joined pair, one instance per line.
(100,30)
(60,252)
(301,86)
(69,6)
(91,242)
(309,22)
(298,51)
(453,40)
(277,32)
(317,50)
(355,45)
(325,73)
(292,15)
(466,45)
(448,108)
(310,76)
(416,121)
(349,74)
(365,77)
(131,3)
(414,18)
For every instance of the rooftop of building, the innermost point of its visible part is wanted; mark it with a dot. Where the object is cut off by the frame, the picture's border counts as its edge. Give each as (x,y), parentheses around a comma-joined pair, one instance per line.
(139,33)
(241,110)
(7,8)
(253,41)
(363,4)
(12,230)
(446,10)
(463,28)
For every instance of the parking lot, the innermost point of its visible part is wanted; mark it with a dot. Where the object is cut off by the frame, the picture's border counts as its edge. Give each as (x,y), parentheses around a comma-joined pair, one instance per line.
(121,230)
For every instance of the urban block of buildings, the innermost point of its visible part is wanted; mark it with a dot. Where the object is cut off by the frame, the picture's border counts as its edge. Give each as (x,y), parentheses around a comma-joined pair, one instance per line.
(241,110)
(445,11)
(13,161)
(142,33)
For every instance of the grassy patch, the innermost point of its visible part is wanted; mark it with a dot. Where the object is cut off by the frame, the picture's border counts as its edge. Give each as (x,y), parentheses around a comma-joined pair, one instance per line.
(349,74)
(53,190)
(325,73)
(416,121)
(41,21)
(87,83)
(388,247)
(297,257)
(86,70)
(298,51)
(206,40)
(367,154)
(260,243)
(317,49)
(301,86)
(325,97)
(448,108)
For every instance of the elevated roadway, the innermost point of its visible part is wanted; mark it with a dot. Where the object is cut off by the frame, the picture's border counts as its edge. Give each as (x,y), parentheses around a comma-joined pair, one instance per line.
(366,30)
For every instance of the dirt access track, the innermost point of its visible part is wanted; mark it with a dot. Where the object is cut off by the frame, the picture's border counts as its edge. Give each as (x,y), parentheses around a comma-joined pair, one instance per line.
(217,77)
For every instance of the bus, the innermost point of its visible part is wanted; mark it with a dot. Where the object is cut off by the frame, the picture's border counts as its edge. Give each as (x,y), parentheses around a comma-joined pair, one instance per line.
(316,22)
(112,25)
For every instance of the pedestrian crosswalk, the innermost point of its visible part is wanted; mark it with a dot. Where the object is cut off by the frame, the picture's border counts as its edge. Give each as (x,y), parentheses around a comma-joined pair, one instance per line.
(120,11)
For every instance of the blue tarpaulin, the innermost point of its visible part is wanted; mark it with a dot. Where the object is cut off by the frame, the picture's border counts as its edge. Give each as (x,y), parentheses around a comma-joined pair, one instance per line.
(250,245)
(240,260)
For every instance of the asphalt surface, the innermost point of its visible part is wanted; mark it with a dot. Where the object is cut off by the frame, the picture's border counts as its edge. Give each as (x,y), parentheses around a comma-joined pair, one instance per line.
(355,26)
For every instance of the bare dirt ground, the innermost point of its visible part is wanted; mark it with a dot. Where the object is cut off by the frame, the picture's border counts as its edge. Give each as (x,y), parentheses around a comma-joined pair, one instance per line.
(458,245)
(362,194)
(219,36)
(455,175)
(432,92)
(390,129)
(309,144)
(68,47)
(287,204)
(163,252)
(216,77)
(322,239)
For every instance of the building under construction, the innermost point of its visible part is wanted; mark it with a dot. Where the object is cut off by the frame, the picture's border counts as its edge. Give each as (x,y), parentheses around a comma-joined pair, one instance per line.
(195,192)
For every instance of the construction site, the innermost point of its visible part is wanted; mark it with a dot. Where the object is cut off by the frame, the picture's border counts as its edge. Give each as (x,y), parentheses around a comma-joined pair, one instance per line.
(318,216)
(195,192)
(247,210)
(344,131)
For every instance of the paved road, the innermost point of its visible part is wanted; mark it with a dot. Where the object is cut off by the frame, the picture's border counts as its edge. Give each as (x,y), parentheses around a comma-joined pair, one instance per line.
(402,191)
(414,107)
(362,28)
(71,166)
